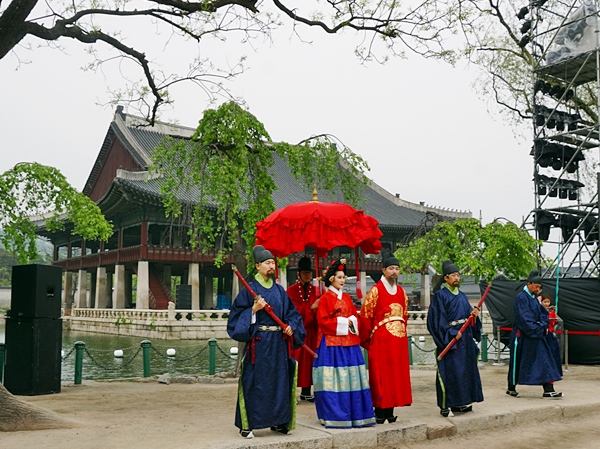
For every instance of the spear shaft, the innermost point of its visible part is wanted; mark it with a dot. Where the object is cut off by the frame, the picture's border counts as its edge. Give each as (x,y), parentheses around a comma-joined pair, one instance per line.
(466,324)
(267,308)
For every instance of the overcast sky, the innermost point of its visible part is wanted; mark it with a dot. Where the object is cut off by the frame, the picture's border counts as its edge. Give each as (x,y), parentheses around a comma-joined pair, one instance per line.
(423,130)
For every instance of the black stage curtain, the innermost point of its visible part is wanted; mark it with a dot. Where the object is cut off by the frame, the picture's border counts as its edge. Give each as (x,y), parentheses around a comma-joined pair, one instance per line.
(578,306)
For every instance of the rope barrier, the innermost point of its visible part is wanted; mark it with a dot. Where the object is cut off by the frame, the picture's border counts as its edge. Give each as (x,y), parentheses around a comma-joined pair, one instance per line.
(68,354)
(225,354)
(108,368)
(421,349)
(179,359)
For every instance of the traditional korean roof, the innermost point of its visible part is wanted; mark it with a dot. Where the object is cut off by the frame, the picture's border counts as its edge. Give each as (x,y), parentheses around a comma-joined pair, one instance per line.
(393,213)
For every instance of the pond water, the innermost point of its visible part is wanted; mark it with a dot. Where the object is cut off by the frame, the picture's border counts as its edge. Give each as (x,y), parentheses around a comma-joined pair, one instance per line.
(99,361)
(191,356)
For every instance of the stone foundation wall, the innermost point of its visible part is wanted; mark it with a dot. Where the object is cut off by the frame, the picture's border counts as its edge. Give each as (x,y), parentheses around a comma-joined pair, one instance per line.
(186,324)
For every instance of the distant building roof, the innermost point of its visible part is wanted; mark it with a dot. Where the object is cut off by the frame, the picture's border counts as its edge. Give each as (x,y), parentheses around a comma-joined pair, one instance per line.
(393,213)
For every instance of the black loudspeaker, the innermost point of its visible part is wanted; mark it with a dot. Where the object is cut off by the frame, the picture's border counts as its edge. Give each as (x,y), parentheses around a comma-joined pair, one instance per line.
(33,355)
(36,291)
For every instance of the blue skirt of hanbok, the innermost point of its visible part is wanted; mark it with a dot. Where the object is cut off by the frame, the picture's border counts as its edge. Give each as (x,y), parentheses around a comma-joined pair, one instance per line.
(341,387)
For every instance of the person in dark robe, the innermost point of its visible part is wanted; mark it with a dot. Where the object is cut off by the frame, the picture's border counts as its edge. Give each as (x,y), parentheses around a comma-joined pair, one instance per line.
(304,296)
(267,385)
(382,325)
(532,361)
(458,384)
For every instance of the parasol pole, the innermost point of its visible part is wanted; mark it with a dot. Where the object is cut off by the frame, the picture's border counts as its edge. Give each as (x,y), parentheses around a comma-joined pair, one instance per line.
(467,323)
(267,308)
(359,294)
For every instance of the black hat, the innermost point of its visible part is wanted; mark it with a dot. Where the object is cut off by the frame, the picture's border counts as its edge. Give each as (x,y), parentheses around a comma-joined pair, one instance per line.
(448,267)
(261,254)
(387,258)
(534,277)
(336,265)
(304,264)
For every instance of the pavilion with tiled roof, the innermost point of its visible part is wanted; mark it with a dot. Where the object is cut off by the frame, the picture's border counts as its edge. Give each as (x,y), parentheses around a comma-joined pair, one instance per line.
(150,246)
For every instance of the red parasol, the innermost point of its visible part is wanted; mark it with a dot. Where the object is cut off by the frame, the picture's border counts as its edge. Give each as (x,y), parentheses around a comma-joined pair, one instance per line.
(321,226)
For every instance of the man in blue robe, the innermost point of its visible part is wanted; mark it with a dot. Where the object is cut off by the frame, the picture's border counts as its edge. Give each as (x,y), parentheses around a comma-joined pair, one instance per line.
(458,384)
(267,385)
(531,358)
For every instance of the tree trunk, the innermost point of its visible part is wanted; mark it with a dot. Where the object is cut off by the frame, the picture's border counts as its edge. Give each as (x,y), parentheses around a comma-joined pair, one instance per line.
(12,24)
(16,415)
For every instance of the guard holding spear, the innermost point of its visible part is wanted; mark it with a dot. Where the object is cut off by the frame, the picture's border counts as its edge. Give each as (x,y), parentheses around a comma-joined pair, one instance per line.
(267,386)
(458,384)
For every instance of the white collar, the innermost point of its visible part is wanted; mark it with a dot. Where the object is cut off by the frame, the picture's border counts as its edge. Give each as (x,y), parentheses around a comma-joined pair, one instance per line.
(391,289)
(336,291)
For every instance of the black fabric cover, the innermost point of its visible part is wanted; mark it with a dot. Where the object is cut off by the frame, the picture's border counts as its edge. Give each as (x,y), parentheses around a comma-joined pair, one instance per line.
(578,306)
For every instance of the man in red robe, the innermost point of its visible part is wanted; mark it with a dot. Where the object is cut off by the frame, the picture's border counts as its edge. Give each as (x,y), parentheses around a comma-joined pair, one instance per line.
(304,297)
(382,327)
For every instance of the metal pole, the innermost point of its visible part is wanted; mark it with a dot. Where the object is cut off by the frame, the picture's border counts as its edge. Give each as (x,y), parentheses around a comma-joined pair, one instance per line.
(79,348)
(484,347)
(410,357)
(2,351)
(212,355)
(146,344)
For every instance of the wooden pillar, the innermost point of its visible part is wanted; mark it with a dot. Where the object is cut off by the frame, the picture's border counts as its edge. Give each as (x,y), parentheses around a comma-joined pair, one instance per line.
(144,240)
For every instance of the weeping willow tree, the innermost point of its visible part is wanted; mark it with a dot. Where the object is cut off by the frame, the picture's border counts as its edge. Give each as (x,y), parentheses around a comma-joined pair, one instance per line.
(226,166)
(32,189)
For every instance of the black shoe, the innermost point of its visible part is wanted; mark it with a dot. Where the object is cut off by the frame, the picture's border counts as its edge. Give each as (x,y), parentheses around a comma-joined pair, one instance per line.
(513,393)
(281,429)
(380,420)
(446,413)
(307,397)
(246,434)
(462,409)
(392,419)
(553,394)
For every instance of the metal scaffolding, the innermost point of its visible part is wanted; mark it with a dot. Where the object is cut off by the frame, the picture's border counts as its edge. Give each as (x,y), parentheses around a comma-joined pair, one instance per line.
(564,42)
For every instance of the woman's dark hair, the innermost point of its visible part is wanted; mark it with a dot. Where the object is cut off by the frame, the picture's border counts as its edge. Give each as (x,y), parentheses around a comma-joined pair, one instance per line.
(336,265)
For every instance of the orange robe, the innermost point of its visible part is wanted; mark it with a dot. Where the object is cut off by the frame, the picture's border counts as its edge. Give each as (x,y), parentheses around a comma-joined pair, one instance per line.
(383,319)
(303,299)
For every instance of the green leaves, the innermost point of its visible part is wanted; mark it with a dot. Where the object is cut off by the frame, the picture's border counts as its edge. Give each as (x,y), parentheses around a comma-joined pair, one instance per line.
(31,191)
(226,167)
(486,251)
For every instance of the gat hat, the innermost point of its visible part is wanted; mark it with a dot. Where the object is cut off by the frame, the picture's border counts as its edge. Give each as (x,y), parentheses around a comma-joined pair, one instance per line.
(448,267)
(304,264)
(336,265)
(534,277)
(387,258)
(261,254)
